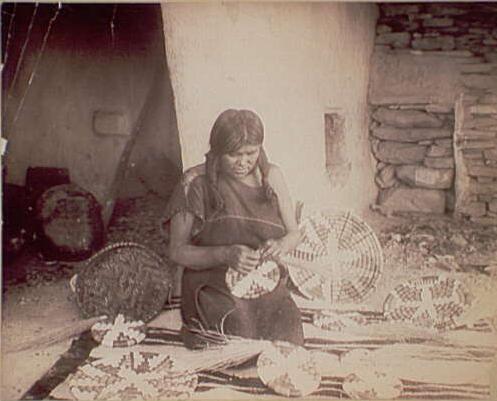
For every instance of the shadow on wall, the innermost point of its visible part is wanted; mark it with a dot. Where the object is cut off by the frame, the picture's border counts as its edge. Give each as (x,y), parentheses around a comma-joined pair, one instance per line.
(79,83)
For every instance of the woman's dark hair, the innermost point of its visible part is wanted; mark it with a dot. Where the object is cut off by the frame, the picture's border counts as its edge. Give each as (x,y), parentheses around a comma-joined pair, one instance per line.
(232,130)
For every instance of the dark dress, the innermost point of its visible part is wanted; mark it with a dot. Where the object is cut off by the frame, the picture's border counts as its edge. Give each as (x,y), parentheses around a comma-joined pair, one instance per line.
(248,218)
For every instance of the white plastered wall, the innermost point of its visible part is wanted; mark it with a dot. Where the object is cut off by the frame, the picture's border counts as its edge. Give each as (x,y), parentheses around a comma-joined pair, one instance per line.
(289,62)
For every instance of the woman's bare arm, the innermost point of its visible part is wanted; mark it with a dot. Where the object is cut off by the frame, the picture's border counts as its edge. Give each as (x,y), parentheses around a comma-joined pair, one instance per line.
(182,252)
(289,241)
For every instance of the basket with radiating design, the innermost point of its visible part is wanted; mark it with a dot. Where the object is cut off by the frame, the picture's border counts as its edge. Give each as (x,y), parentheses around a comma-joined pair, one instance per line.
(119,332)
(124,278)
(136,375)
(254,284)
(347,252)
(433,302)
(288,370)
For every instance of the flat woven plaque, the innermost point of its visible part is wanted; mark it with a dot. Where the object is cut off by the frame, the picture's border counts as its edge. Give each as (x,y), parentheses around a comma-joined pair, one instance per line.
(289,370)
(433,302)
(346,250)
(124,278)
(136,375)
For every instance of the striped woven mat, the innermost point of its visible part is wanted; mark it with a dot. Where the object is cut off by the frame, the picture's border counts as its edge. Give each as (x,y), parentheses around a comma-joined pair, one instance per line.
(246,384)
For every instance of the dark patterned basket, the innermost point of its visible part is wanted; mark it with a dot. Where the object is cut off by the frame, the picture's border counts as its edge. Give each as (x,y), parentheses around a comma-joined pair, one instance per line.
(124,278)
(433,302)
(346,248)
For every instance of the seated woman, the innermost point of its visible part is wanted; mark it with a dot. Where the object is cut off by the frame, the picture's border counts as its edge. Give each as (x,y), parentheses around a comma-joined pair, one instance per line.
(228,214)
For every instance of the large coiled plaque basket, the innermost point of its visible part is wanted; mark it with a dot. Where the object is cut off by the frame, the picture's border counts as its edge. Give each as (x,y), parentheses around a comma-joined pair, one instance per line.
(124,278)
(347,251)
(433,302)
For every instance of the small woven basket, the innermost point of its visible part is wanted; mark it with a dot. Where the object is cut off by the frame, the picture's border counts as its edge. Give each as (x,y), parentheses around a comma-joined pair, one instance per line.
(288,370)
(346,248)
(124,278)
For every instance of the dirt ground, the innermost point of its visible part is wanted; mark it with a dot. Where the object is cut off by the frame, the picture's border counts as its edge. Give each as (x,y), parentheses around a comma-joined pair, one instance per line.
(40,299)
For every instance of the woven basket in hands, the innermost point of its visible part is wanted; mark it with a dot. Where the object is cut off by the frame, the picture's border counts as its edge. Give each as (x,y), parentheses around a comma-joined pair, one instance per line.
(254,284)
(124,278)
(347,251)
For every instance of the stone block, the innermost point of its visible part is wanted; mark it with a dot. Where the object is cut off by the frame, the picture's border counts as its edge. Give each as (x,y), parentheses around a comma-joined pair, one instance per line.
(476,209)
(445,9)
(478,68)
(472,154)
(477,122)
(450,201)
(404,199)
(439,108)
(395,39)
(444,142)
(407,118)
(490,154)
(480,81)
(491,57)
(474,162)
(489,98)
(483,108)
(479,188)
(439,151)
(401,77)
(382,48)
(424,177)
(399,153)
(439,162)
(438,22)
(445,42)
(485,221)
(110,123)
(492,206)
(473,134)
(383,28)
(427,143)
(391,10)
(485,180)
(483,171)
(467,143)
(490,41)
(385,178)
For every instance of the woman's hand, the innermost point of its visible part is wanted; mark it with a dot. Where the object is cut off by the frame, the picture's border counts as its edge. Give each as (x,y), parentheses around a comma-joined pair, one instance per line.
(242,258)
(272,249)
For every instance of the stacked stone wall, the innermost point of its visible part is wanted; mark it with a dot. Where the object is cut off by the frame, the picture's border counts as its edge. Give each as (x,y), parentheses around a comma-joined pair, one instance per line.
(432,156)
(413,148)
(476,150)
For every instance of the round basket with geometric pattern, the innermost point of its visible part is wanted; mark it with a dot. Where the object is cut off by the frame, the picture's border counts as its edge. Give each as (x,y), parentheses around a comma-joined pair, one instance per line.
(433,302)
(289,370)
(136,375)
(124,278)
(254,284)
(347,253)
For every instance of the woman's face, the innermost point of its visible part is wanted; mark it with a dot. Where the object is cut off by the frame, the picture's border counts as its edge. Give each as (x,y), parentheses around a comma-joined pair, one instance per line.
(240,163)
